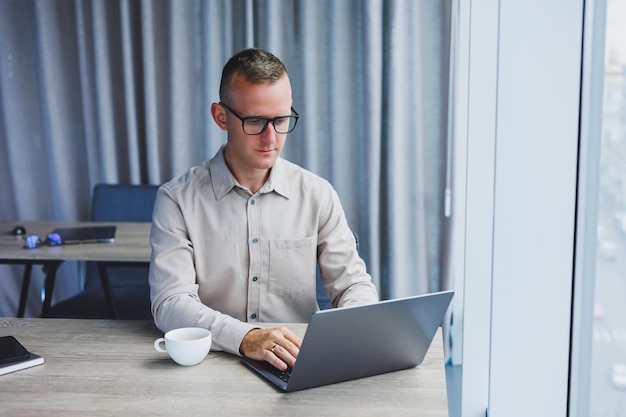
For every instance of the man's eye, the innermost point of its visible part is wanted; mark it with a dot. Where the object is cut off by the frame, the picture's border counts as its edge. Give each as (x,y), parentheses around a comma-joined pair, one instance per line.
(255,122)
(281,121)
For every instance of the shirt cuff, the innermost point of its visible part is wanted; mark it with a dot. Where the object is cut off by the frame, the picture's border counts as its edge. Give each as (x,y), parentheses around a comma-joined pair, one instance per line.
(228,339)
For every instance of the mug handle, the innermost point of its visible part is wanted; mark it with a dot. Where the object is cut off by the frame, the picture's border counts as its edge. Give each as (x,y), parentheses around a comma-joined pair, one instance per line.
(157,344)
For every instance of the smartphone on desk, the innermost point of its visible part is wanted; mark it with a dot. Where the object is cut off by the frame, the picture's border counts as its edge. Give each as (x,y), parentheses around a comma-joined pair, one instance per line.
(11,350)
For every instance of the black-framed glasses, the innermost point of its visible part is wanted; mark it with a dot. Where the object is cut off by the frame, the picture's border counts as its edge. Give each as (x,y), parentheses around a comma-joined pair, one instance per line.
(255,125)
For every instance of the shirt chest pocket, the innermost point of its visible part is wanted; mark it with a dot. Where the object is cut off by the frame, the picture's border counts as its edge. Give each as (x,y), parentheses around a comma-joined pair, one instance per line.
(292,266)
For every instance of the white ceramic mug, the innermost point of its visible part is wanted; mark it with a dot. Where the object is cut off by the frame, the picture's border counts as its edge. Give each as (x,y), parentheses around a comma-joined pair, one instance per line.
(186,346)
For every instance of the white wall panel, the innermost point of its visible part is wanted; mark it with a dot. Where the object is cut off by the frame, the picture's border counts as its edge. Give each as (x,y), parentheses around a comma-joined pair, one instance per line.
(518,297)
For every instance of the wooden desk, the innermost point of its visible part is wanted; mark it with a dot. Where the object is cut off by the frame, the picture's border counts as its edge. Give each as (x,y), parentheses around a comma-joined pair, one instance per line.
(131,246)
(110,368)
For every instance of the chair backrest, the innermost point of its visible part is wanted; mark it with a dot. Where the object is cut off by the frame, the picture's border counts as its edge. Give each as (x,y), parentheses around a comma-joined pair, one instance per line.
(126,203)
(121,203)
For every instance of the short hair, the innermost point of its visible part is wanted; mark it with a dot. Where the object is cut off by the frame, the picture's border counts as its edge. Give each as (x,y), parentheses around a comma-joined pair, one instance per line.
(256,65)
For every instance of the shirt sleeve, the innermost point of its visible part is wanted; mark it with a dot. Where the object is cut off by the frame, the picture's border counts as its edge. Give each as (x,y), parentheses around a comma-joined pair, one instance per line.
(173,287)
(343,271)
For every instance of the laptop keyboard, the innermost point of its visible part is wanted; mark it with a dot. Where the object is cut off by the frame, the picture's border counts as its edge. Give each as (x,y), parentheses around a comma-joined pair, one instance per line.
(283,375)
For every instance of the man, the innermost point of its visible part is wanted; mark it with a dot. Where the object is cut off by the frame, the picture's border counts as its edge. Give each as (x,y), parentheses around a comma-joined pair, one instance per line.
(235,241)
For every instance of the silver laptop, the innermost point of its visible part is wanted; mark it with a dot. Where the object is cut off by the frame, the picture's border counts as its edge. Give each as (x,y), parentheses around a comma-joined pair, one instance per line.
(353,342)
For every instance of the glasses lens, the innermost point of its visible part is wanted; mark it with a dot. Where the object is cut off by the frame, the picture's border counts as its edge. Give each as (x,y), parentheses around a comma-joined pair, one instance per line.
(54,239)
(254,126)
(285,124)
(32,242)
(257,125)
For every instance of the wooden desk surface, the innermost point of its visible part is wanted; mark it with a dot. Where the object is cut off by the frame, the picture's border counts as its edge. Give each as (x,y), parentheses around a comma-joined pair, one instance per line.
(102,367)
(132,243)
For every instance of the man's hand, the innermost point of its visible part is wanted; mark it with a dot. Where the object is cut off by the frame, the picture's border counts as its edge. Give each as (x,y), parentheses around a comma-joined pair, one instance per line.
(278,346)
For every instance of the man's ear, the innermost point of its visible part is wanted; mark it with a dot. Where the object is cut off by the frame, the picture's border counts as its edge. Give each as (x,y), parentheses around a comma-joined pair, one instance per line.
(219,115)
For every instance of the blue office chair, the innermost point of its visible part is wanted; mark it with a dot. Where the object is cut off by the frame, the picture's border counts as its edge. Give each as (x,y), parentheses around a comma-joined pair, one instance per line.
(114,290)
(323,300)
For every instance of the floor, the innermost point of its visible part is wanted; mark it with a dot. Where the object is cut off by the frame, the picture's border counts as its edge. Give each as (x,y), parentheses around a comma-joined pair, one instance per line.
(453,382)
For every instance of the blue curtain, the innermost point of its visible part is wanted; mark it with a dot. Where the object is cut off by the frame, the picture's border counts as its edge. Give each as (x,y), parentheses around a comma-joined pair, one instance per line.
(118,91)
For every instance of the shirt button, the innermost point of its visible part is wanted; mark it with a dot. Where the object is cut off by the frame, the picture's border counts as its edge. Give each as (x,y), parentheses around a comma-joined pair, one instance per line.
(253,316)
(252,201)
(255,240)
(255,279)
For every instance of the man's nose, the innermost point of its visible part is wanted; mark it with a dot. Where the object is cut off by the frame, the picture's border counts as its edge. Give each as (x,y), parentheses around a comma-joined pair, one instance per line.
(269,134)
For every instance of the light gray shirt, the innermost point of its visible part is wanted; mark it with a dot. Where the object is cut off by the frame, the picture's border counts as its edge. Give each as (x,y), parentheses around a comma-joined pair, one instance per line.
(225,259)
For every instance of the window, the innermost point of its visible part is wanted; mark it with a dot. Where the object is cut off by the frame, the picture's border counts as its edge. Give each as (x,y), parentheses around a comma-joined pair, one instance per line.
(599,326)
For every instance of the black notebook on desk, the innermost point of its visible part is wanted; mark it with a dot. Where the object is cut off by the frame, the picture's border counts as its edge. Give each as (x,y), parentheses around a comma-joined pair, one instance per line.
(14,356)
(87,234)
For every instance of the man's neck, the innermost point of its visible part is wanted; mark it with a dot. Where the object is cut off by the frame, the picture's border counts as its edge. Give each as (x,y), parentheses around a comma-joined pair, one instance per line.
(253,180)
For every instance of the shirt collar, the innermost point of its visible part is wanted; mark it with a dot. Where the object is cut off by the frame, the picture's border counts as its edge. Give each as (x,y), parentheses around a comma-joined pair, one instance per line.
(278,180)
(223,180)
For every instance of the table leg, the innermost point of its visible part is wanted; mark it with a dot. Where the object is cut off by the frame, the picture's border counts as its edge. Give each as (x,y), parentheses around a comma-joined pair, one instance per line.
(106,286)
(24,292)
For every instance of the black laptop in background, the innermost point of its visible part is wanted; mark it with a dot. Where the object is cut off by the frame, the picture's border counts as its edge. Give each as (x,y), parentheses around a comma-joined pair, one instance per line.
(87,234)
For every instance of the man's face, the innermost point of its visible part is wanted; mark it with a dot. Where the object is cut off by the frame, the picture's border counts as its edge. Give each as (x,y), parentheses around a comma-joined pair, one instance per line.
(248,153)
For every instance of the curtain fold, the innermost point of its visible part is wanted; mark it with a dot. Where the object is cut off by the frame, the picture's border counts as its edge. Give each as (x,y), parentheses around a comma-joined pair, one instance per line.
(119,91)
